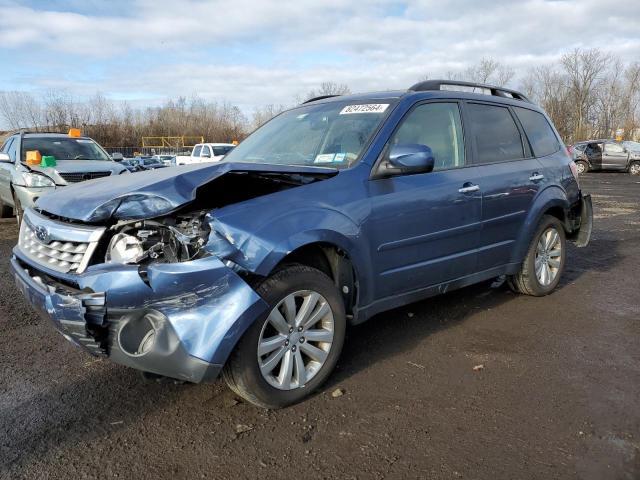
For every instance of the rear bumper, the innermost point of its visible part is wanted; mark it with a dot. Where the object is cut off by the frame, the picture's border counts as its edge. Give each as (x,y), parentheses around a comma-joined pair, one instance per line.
(183,322)
(581,234)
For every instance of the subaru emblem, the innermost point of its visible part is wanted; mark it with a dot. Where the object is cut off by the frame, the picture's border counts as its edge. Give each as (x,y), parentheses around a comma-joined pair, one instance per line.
(42,234)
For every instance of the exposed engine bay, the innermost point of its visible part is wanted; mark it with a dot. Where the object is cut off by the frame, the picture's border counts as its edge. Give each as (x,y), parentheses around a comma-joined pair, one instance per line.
(170,239)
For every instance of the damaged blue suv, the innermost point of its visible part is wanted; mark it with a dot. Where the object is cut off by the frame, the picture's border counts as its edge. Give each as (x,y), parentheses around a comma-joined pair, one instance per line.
(330,213)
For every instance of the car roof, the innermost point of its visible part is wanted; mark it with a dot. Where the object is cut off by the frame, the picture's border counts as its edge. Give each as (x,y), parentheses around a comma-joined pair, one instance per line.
(424,95)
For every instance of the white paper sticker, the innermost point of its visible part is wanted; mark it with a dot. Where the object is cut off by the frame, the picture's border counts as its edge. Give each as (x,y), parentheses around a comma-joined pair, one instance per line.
(325,158)
(366,108)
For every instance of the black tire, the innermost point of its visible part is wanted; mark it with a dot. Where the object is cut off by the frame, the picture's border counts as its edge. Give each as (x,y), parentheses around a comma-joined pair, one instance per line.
(583,167)
(242,371)
(634,168)
(5,210)
(526,280)
(17,209)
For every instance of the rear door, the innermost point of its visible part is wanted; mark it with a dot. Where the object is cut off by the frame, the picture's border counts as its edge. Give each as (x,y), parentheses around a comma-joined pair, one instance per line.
(509,176)
(614,156)
(423,227)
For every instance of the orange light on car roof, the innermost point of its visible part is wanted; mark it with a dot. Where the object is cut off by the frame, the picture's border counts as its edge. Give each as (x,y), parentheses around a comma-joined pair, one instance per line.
(74,132)
(33,157)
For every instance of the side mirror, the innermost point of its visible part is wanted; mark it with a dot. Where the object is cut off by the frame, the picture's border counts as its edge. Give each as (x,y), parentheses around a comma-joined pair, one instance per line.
(407,159)
(117,157)
(5,158)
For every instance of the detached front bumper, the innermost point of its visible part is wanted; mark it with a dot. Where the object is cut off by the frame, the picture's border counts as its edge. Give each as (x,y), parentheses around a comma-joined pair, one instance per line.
(182,320)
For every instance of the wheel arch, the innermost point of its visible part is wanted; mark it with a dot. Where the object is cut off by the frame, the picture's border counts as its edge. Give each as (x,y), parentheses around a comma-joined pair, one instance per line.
(551,201)
(334,261)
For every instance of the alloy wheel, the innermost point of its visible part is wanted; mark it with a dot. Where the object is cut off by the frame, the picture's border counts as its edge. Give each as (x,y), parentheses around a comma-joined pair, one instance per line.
(295,340)
(548,256)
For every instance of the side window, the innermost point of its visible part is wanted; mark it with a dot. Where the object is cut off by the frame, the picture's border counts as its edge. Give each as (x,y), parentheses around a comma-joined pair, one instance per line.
(12,149)
(540,134)
(495,133)
(438,126)
(196,151)
(613,148)
(6,145)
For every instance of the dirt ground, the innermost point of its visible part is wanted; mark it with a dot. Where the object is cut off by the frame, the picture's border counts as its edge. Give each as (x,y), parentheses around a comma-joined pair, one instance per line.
(558,395)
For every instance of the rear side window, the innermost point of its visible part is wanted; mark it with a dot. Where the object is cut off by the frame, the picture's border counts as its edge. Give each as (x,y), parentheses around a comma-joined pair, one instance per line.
(613,148)
(538,131)
(438,126)
(495,133)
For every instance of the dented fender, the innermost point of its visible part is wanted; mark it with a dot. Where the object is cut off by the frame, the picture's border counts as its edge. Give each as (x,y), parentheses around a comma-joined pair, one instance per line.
(259,248)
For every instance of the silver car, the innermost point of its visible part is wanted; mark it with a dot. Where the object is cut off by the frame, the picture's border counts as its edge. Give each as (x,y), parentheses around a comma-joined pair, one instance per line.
(76,159)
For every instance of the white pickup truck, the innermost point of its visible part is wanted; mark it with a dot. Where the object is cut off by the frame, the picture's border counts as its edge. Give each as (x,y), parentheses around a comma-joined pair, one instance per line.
(205,152)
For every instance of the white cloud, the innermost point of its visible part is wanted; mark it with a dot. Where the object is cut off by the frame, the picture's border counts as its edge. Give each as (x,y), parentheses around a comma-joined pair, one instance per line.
(369,45)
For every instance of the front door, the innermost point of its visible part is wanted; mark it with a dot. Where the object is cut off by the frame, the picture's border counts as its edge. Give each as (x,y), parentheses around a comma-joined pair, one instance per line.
(423,227)
(593,151)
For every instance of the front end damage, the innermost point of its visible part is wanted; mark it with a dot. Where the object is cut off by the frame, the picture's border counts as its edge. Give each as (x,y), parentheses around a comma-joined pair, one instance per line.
(165,294)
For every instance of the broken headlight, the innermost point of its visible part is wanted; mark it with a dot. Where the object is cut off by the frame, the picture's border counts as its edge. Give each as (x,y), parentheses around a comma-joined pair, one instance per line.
(168,240)
(124,248)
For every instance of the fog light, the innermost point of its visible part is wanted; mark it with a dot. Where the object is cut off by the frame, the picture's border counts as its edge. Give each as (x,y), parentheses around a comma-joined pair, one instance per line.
(137,336)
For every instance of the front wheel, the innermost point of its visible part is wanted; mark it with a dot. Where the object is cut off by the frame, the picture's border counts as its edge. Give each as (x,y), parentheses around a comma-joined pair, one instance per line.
(17,209)
(543,266)
(286,355)
(5,210)
(634,168)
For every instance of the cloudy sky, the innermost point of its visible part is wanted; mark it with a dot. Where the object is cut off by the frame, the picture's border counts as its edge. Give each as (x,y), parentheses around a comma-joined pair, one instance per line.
(256,52)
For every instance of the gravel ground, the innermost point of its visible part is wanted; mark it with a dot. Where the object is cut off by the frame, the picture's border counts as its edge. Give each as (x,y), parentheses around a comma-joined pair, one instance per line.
(557,396)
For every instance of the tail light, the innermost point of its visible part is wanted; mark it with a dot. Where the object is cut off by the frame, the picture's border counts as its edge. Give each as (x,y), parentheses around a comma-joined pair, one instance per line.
(574,171)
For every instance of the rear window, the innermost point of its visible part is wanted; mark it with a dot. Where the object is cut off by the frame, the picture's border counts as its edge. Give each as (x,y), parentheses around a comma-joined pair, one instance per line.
(495,133)
(217,151)
(538,131)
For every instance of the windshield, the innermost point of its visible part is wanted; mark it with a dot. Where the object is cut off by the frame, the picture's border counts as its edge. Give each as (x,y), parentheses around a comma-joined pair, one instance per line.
(65,148)
(326,135)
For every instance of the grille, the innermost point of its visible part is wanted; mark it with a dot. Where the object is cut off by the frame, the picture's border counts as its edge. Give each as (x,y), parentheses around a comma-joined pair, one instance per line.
(82,176)
(65,257)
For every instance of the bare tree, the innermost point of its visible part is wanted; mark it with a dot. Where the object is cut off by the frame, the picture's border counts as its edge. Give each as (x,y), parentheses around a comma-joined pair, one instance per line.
(326,88)
(583,69)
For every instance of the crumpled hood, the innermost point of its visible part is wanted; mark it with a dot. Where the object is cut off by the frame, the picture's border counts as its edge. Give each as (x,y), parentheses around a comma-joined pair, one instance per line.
(147,194)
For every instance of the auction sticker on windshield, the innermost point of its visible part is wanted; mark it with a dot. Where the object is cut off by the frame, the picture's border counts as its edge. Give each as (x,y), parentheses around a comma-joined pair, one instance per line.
(366,108)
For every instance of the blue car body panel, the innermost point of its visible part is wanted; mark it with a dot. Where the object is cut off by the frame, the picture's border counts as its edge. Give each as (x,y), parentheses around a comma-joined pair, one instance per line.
(406,237)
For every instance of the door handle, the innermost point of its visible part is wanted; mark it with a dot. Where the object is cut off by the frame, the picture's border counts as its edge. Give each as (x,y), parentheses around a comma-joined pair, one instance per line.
(536,176)
(469,188)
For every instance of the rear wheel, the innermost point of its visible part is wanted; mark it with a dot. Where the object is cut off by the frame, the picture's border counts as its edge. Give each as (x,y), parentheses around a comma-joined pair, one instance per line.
(543,266)
(634,168)
(290,352)
(582,167)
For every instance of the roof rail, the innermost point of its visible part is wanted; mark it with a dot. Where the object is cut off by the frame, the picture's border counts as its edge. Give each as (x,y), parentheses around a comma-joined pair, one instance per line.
(321,97)
(495,90)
